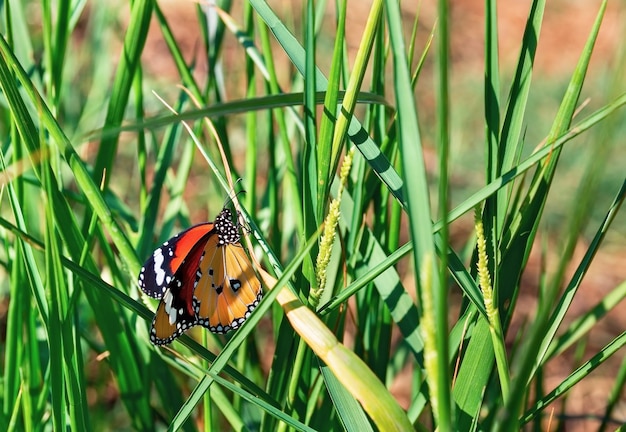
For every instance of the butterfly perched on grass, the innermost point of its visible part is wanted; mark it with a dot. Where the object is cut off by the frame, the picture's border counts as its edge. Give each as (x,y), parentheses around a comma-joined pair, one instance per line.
(203,277)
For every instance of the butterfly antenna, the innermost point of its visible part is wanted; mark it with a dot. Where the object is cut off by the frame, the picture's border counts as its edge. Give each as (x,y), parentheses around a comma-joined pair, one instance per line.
(232,195)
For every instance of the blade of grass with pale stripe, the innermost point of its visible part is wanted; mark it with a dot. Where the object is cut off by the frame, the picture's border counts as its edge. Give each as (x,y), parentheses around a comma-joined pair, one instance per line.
(431,293)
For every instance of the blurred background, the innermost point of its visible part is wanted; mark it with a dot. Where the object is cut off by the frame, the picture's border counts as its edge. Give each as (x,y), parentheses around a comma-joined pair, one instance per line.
(566,27)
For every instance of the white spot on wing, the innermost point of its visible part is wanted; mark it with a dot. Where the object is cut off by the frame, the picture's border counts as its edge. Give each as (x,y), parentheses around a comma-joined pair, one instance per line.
(171,312)
(159,272)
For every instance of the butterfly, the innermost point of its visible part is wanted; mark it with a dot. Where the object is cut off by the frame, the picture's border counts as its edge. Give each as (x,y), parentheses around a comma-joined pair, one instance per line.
(202,277)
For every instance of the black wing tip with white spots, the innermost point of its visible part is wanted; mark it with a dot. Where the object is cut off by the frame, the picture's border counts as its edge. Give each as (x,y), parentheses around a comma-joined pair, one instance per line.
(149,288)
(155,275)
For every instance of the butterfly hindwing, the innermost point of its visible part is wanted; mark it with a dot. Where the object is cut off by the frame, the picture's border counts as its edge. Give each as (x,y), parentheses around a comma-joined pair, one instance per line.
(177,309)
(172,318)
(158,270)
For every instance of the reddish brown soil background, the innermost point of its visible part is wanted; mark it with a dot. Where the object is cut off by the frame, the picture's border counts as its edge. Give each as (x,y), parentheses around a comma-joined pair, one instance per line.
(566,27)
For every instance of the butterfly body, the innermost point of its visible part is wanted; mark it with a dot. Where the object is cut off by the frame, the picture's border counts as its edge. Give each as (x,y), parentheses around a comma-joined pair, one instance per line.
(203,277)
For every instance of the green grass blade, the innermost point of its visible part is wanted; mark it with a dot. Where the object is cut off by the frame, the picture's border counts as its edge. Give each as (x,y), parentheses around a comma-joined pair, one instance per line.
(346,111)
(29,265)
(263,405)
(582,325)
(310,158)
(530,215)
(510,135)
(350,412)
(233,107)
(431,293)
(58,306)
(582,372)
(185,72)
(356,133)
(134,41)
(572,288)
(474,374)
(329,117)
(492,93)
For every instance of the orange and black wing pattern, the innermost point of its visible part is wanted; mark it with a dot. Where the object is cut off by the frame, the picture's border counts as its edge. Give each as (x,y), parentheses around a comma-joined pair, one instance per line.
(228,289)
(203,277)
(158,270)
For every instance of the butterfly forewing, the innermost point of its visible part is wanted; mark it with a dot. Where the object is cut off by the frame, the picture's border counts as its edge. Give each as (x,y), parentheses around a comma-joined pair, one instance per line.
(158,270)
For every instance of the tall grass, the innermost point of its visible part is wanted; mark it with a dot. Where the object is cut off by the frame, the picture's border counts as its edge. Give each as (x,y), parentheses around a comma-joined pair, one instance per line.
(331,154)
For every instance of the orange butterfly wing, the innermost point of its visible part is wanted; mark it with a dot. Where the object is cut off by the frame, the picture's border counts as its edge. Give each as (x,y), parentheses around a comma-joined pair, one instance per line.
(228,290)
(203,277)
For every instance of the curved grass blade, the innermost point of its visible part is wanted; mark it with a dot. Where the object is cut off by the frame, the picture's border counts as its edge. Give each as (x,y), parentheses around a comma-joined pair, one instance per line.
(222,109)
(582,372)
(570,291)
